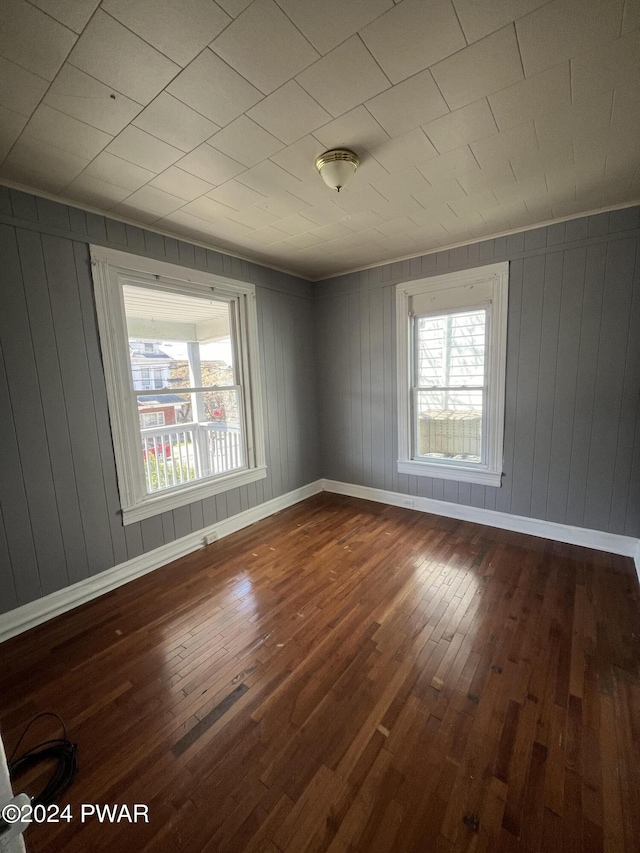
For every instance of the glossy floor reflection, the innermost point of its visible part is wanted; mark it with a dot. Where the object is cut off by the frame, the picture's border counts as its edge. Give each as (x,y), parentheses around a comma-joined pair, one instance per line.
(346,676)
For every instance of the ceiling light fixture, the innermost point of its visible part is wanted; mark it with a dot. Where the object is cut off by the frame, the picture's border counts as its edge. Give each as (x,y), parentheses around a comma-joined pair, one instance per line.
(337,166)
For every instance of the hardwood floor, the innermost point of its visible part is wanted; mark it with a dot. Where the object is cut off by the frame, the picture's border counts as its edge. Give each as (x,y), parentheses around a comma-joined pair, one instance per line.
(346,676)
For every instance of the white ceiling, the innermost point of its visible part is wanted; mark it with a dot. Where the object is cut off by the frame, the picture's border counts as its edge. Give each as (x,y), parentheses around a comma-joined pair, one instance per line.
(203,119)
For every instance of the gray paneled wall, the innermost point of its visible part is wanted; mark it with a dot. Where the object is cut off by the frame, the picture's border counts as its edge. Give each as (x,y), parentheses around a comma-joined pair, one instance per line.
(572,439)
(572,443)
(59,505)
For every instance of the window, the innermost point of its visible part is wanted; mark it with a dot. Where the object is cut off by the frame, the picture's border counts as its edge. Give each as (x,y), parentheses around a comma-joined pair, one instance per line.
(180,353)
(151,419)
(452,334)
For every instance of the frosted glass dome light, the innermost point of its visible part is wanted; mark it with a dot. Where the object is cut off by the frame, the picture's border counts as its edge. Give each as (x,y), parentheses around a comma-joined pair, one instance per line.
(337,166)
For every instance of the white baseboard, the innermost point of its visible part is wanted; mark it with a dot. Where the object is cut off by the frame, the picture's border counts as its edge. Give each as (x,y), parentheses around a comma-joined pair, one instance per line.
(43,609)
(597,539)
(36,612)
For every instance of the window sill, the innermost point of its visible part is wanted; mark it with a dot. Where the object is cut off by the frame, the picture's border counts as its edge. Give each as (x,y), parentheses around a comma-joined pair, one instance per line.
(445,471)
(156,504)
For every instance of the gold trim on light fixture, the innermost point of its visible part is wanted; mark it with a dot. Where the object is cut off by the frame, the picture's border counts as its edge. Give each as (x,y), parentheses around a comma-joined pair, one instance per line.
(331,176)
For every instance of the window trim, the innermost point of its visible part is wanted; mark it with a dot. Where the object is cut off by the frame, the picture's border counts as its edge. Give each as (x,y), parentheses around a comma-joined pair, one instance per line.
(108,266)
(489,473)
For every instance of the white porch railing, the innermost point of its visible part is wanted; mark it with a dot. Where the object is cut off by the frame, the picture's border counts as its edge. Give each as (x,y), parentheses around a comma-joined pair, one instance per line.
(185,452)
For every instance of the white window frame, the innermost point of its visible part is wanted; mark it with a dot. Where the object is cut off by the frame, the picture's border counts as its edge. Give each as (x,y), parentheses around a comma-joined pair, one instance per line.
(457,291)
(111,269)
(158,416)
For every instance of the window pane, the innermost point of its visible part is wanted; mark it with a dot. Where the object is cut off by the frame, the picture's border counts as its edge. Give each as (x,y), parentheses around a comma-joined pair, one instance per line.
(177,340)
(449,424)
(180,449)
(450,349)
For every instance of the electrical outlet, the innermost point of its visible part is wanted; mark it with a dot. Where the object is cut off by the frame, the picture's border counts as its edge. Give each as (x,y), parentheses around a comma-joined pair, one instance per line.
(210,537)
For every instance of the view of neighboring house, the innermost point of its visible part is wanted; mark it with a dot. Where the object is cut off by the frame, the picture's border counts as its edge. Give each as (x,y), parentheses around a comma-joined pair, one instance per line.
(151,368)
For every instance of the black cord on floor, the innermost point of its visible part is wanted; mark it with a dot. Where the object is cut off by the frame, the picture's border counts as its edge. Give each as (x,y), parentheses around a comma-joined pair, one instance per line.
(60,750)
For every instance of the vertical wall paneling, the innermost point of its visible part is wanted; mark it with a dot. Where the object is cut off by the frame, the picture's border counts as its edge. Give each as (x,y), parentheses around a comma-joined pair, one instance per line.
(585,381)
(59,449)
(30,432)
(608,400)
(354,364)
(7,585)
(365,367)
(571,447)
(376,387)
(526,385)
(77,391)
(59,500)
(564,401)
(15,509)
(546,382)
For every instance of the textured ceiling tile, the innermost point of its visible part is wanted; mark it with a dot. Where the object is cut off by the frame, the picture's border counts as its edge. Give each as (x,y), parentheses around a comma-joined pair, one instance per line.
(249,181)
(412,36)
(32,39)
(63,131)
(356,129)
(564,29)
(179,30)
(214,89)
(245,141)
(20,90)
(519,190)
(289,113)
(137,214)
(210,165)
(267,235)
(269,179)
(234,7)
(586,117)
(111,53)
(297,223)
(329,23)
(550,90)
(264,46)
(409,104)
(452,164)
(480,69)
(468,124)
(253,217)
(144,150)
(526,165)
(283,204)
(236,195)
(35,163)
(153,200)
(304,240)
(207,208)
(299,159)
(92,191)
(74,14)
(479,19)
(175,123)
(115,170)
(344,78)
(403,151)
(612,64)
(494,150)
(11,126)
(181,184)
(631,17)
(77,94)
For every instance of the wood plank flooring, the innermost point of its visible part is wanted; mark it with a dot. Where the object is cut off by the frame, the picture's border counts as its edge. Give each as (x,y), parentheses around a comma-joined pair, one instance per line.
(346,676)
